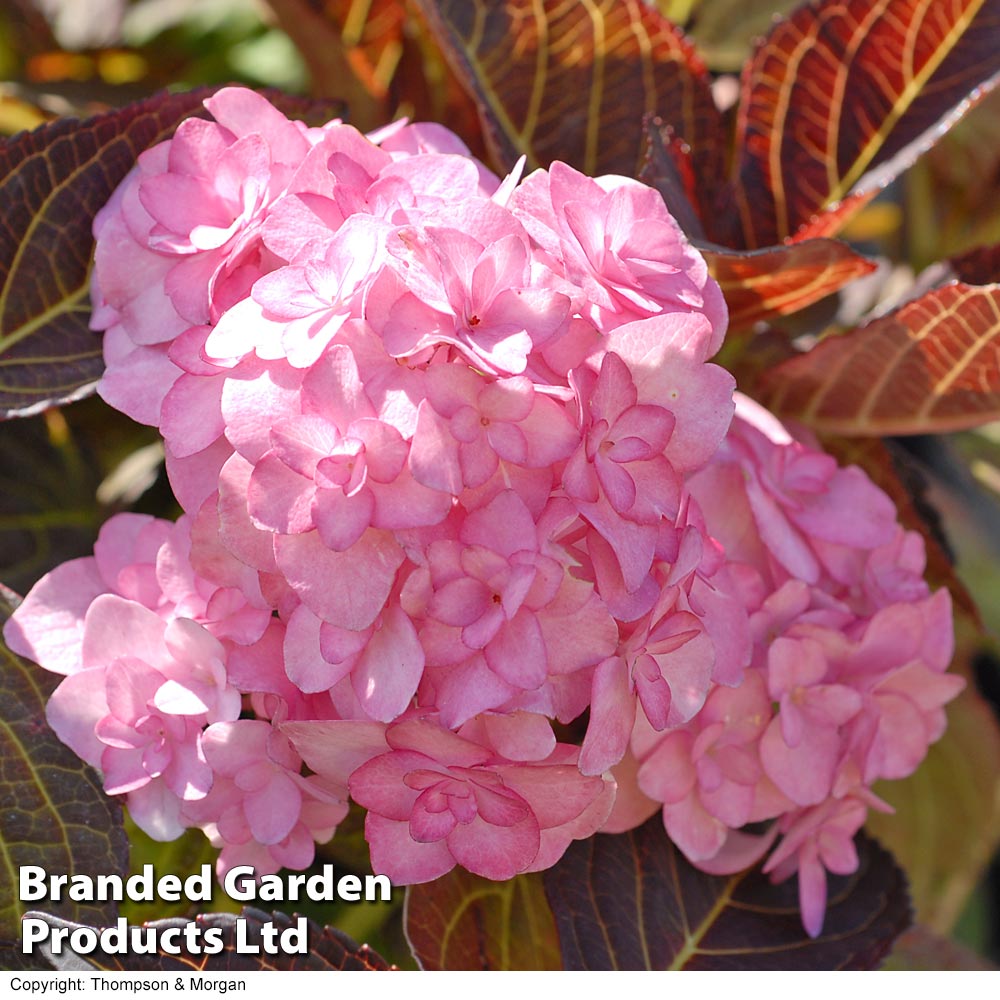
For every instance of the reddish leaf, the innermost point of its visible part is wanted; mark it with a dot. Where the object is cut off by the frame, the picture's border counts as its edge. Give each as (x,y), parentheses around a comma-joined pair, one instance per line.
(461,921)
(980,266)
(777,281)
(372,33)
(666,166)
(929,367)
(841,97)
(572,81)
(54,812)
(344,61)
(631,901)
(329,950)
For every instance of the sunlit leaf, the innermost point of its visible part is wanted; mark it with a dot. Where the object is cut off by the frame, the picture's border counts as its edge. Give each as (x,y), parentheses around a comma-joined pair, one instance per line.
(372,32)
(843,96)
(461,921)
(54,812)
(572,81)
(777,281)
(929,367)
(17,114)
(328,950)
(947,822)
(631,901)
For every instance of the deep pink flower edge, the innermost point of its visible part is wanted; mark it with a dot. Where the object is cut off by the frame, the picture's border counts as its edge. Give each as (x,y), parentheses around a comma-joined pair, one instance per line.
(456,466)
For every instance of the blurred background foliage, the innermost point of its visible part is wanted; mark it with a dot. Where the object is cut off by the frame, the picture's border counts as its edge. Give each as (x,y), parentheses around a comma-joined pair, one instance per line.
(64,472)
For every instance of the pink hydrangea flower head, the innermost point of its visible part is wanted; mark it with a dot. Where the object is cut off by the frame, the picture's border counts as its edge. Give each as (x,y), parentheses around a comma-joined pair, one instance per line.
(455,465)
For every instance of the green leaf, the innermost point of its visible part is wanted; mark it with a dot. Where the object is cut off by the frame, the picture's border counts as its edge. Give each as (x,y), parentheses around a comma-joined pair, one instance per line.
(55,813)
(631,901)
(182,856)
(462,921)
(327,949)
(724,30)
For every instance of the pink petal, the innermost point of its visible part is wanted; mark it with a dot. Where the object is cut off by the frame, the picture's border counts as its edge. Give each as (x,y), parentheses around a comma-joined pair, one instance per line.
(396,854)
(336,749)
(306,667)
(348,588)
(495,852)
(75,708)
(273,812)
(612,715)
(47,627)
(279,499)
(517,653)
(117,628)
(341,520)
(390,668)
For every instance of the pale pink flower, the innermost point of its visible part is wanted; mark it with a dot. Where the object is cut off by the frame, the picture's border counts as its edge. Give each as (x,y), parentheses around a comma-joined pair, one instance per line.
(467,281)
(136,704)
(467,425)
(616,239)
(261,811)
(437,799)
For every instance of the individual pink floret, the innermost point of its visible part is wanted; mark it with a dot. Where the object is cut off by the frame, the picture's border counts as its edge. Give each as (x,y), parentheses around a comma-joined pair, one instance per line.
(261,811)
(137,703)
(614,237)
(492,601)
(467,425)
(436,800)
(467,280)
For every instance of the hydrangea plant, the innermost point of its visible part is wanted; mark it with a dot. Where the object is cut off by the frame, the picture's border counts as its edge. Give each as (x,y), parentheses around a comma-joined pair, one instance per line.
(456,466)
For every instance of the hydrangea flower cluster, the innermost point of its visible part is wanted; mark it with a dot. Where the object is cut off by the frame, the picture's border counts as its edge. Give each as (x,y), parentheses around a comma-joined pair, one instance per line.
(455,466)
